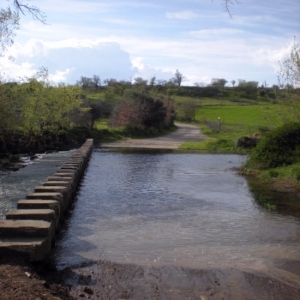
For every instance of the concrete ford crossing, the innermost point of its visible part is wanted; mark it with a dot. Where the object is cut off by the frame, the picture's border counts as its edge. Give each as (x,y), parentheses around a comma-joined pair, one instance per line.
(30,229)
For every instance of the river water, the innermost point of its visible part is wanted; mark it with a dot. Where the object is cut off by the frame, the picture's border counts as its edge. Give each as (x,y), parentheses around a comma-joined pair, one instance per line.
(167,208)
(17,185)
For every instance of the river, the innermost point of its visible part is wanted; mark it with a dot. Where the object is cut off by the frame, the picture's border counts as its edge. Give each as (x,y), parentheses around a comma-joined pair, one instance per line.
(167,209)
(173,208)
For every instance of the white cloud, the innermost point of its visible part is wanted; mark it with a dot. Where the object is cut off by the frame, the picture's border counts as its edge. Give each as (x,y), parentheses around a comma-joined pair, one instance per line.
(268,56)
(182,15)
(216,32)
(59,76)
(11,71)
(138,63)
(147,71)
(69,60)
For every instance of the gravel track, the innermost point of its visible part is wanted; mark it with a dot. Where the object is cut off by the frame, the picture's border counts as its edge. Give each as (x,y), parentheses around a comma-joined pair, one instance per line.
(184,133)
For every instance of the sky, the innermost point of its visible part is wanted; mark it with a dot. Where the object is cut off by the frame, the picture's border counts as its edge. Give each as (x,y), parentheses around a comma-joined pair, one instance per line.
(125,39)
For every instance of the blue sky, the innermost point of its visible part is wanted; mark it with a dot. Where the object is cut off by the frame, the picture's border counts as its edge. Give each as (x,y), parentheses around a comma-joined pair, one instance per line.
(124,39)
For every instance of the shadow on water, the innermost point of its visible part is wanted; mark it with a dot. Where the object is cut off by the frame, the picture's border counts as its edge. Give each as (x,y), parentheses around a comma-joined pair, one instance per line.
(283,203)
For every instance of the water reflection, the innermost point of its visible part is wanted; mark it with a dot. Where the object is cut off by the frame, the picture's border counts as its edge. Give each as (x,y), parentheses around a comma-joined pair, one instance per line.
(185,209)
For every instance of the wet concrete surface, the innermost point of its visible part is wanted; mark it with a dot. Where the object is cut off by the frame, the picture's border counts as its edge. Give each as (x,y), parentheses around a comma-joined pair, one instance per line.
(107,280)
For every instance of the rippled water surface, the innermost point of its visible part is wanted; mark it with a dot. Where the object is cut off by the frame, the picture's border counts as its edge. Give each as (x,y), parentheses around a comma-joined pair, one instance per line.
(173,208)
(17,185)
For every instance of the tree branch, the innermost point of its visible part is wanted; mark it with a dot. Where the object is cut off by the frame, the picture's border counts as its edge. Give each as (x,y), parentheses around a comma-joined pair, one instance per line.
(34,11)
(227,4)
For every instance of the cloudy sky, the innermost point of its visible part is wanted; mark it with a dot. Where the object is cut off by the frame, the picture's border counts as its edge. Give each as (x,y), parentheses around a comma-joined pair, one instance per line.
(123,39)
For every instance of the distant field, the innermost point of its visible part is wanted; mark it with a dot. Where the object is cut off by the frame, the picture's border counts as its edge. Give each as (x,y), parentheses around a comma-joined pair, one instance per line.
(236,121)
(239,117)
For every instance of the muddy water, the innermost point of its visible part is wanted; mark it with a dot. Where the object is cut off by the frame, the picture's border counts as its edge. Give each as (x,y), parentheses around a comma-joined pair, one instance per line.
(173,209)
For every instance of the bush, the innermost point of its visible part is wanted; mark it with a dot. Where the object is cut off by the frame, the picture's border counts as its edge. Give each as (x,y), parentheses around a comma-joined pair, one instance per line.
(278,147)
(140,111)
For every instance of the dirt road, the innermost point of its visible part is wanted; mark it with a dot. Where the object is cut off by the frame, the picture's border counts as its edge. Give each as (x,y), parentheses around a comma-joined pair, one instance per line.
(184,133)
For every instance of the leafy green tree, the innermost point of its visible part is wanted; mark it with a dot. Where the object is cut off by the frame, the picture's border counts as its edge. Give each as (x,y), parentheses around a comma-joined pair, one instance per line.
(35,104)
(249,88)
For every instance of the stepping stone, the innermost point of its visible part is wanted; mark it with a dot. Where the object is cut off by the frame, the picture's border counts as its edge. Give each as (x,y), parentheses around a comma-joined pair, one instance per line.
(25,228)
(59,178)
(57,183)
(33,214)
(36,249)
(40,204)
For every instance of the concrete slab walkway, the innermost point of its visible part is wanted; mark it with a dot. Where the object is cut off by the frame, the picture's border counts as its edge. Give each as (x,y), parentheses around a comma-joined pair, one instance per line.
(184,133)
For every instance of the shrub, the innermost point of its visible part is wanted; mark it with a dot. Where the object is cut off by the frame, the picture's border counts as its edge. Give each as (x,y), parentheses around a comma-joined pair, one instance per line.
(140,112)
(278,147)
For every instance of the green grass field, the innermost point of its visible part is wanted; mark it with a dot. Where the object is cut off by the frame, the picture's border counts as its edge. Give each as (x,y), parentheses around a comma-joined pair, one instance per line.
(235,121)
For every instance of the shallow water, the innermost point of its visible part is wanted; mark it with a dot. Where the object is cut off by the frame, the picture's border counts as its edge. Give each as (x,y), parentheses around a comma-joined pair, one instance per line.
(155,208)
(16,185)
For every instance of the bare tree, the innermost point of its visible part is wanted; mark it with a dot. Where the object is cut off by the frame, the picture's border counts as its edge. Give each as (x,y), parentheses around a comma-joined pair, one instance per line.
(289,73)
(177,79)
(34,11)
(96,81)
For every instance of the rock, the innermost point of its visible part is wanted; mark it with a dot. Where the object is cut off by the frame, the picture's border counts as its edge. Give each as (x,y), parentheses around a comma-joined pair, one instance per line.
(246,142)
(88,290)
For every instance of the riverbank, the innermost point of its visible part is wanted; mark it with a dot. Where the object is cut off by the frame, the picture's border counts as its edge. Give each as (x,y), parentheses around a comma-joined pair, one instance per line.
(108,280)
(21,279)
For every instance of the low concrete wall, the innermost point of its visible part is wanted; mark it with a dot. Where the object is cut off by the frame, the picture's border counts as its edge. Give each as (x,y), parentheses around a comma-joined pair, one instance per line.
(30,229)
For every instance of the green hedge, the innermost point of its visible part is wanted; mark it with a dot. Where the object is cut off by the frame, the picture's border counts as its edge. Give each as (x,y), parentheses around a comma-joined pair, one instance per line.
(278,147)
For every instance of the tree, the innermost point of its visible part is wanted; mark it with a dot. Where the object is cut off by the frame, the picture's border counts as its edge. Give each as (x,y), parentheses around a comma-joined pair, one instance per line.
(218,82)
(232,82)
(177,79)
(96,81)
(140,111)
(35,104)
(289,73)
(249,88)
(9,21)
(152,81)
(289,79)
(140,81)
(85,82)
(110,81)
(189,109)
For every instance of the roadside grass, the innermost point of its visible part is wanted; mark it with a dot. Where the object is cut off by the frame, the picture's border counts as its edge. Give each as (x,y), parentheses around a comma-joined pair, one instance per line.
(291,172)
